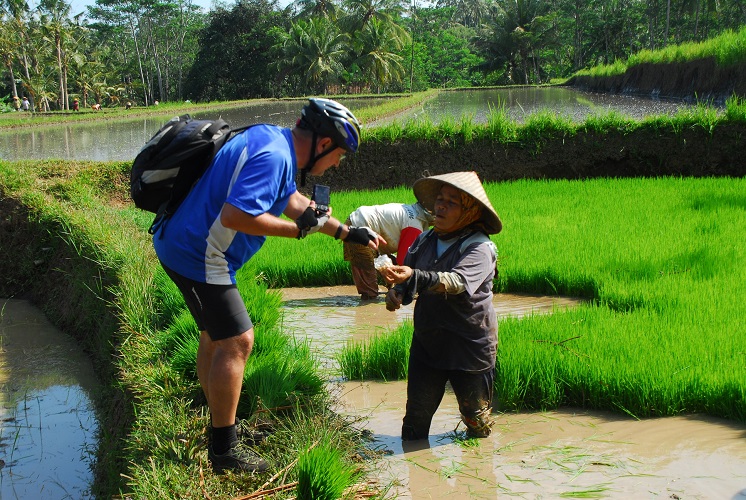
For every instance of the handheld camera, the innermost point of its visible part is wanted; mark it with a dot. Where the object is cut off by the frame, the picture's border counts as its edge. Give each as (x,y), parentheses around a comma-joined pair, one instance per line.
(321,197)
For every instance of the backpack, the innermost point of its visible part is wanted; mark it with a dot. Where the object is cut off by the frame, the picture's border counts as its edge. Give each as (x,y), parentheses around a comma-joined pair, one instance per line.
(171,162)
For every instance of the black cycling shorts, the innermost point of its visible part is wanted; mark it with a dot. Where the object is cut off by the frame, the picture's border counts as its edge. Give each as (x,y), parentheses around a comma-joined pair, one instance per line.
(218,309)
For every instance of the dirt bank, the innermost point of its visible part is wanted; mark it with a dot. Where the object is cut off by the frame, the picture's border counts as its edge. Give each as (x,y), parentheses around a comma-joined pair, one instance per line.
(46,263)
(650,150)
(702,79)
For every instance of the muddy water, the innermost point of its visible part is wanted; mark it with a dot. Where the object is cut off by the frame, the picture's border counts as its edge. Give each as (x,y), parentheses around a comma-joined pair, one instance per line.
(48,425)
(330,317)
(554,454)
(565,453)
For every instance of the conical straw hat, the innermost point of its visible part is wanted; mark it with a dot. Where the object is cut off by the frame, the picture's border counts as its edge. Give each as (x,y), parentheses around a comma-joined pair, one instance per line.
(428,188)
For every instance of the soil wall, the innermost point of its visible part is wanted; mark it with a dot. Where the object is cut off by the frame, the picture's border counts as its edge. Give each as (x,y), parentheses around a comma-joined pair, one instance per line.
(702,79)
(648,151)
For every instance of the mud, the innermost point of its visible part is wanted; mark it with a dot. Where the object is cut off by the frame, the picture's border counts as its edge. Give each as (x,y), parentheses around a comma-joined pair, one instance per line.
(566,453)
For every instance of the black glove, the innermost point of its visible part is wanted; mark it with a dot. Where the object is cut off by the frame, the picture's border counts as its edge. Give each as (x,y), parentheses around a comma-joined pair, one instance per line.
(309,222)
(361,235)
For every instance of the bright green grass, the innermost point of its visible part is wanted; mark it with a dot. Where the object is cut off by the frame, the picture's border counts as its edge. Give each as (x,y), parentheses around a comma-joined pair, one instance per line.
(382,357)
(663,263)
(728,48)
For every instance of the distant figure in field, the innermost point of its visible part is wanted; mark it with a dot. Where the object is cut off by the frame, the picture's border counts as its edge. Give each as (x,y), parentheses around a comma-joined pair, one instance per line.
(25,105)
(76,105)
(128,105)
(156,103)
(96,107)
(16,103)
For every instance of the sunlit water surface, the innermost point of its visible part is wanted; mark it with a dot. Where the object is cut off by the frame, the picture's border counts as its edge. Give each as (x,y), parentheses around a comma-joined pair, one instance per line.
(121,140)
(48,426)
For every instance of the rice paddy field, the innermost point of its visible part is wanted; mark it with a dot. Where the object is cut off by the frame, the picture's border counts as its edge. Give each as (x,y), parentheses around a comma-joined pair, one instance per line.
(660,261)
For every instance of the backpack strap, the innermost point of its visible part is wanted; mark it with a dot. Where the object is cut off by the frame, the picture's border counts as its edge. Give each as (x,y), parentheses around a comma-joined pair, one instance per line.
(164,211)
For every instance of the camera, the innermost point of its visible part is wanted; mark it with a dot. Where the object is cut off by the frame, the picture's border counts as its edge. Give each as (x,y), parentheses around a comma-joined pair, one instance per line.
(321,197)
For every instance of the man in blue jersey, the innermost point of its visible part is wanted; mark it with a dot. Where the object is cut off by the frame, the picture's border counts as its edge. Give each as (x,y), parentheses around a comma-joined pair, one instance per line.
(224,221)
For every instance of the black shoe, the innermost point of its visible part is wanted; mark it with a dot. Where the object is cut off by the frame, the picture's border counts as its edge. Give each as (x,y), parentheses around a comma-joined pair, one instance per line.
(249,435)
(238,458)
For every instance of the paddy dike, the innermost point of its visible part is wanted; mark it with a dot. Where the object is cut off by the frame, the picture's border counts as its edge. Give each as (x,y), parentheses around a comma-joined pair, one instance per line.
(650,150)
(691,81)
(647,149)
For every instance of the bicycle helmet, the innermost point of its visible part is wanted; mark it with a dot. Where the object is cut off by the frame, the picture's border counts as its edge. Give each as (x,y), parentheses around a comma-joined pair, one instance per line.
(327,118)
(330,119)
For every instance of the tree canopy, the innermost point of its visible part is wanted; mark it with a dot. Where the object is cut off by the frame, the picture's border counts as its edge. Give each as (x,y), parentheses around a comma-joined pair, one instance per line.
(141,51)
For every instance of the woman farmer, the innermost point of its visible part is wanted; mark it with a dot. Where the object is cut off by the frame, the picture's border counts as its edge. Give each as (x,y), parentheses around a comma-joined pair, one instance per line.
(450,269)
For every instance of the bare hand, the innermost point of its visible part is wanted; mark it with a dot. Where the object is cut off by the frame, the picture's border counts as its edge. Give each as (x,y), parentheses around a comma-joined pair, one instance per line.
(396,274)
(393,300)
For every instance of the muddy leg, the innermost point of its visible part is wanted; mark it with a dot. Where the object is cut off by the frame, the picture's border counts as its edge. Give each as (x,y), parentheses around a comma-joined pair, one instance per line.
(474,394)
(425,389)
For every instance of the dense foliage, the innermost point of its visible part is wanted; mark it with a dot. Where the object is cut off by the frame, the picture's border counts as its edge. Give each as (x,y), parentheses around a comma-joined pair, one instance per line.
(142,51)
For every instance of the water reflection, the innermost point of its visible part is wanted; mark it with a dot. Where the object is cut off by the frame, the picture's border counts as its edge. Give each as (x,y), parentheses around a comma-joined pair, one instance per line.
(521,102)
(48,425)
(121,140)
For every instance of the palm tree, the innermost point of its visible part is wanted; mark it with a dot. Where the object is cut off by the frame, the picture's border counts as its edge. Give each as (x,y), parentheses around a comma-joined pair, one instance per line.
(360,12)
(513,35)
(55,24)
(470,13)
(379,58)
(315,8)
(9,45)
(314,51)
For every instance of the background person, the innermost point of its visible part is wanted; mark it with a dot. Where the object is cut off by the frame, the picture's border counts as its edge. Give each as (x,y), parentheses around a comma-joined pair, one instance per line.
(25,104)
(399,224)
(450,269)
(16,103)
(224,221)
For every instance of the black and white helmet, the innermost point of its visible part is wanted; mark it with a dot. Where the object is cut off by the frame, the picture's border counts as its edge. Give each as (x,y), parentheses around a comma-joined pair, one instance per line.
(330,119)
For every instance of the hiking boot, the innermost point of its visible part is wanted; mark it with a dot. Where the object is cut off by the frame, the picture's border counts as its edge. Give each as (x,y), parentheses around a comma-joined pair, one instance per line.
(248,434)
(238,458)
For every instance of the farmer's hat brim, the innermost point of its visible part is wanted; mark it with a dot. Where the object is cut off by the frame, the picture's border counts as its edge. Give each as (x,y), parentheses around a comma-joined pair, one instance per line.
(428,188)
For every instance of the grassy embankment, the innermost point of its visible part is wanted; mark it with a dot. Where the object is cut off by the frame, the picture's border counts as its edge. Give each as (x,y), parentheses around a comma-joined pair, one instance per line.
(728,48)
(545,248)
(392,104)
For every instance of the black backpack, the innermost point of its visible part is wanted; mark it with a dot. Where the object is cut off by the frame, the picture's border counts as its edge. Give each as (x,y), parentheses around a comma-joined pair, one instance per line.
(168,166)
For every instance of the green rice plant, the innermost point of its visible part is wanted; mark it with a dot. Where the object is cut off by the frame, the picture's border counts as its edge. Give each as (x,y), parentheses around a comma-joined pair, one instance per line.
(382,357)
(276,378)
(499,127)
(184,355)
(662,263)
(182,329)
(543,125)
(323,474)
(735,109)
(170,299)
(608,121)
(467,129)
(728,48)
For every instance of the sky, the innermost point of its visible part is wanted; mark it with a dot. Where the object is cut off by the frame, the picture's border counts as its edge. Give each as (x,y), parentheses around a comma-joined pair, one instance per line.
(80,5)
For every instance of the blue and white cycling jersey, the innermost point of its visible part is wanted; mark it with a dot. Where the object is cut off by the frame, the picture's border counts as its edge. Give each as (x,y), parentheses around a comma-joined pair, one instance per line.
(255,172)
